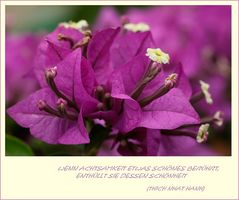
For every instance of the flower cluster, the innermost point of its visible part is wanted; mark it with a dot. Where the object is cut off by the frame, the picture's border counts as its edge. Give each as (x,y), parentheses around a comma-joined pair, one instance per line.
(191,34)
(118,79)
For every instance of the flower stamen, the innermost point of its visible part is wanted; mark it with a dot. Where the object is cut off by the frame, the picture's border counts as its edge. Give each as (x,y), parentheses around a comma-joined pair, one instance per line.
(169,83)
(43,106)
(203,94)
(153,70)
(82,43)
(50,74)
(217,118)
(62,108)
(62,37)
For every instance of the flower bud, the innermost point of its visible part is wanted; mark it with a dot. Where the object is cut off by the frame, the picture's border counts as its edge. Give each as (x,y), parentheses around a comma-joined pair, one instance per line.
(171,80)
(61,104)
(51,73)
(41,104)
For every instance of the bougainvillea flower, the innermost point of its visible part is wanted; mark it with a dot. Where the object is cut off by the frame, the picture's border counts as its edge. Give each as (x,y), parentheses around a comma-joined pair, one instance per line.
(54,113)
(112,50)
(127,60)
(20,53)
(152,104)
(118,78)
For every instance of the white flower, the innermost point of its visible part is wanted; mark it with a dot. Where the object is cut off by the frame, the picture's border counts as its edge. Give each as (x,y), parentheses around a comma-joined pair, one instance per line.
(157,55)
(202,133)
(205,89)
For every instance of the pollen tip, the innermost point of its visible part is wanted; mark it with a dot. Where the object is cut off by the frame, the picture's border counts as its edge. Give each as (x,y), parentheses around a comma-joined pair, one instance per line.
(51,72)
(157,55)
(203,133)
(171,80)
(61,102)
(218,117)
(205,89)
(41,104)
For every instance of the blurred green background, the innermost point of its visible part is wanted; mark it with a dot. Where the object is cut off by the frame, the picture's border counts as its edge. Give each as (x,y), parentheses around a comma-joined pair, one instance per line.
(45,18)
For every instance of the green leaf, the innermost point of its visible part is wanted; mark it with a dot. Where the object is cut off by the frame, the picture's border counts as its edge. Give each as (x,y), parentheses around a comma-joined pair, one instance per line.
(15,147)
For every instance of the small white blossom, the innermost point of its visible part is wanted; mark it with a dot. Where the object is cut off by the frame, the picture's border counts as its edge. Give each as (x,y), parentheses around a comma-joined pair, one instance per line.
(171,80)
(205,89)
(157,55)
(202,133)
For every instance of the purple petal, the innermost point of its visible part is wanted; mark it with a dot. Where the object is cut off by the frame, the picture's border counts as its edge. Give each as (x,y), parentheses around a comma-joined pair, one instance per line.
(131,115)
(131,111)
(169,112)
(42,125)
(182,81)
(49,129)
(51,50)
(46,127)
(74,34)
(26,113)
(48,55)
(72,75)
(133,71)
(129,44)
(76,134)
(98,53)
(152,142)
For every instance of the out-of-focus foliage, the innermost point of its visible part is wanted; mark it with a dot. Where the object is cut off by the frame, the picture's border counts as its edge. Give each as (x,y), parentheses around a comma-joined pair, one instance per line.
(15,147)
